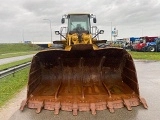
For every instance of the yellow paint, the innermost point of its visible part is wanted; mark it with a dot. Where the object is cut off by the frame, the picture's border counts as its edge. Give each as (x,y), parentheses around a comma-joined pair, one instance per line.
(73,40)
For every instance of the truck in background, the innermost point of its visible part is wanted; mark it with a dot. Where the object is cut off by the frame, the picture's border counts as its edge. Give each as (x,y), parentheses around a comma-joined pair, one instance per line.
(133,42)
(153,46)
(140,45)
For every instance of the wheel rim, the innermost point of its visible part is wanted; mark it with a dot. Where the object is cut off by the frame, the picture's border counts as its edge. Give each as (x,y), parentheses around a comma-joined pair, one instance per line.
(152,49)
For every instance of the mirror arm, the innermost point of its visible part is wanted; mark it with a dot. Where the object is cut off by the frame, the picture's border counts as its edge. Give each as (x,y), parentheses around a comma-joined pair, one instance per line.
(58,33)
(63,36)
(96,34)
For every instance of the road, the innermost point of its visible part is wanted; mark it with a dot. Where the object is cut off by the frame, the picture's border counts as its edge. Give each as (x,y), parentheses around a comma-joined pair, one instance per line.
(13,59)
(149,84)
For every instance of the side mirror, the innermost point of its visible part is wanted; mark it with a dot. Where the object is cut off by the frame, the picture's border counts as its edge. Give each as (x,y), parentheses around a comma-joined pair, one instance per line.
(63,20)
(57,32)
(94,20)
(101,32)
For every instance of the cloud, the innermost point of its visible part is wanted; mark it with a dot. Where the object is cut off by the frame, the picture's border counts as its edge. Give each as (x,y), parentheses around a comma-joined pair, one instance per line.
(26,16)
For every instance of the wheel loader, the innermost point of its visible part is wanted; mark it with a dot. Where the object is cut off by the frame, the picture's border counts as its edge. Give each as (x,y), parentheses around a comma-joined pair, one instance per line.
(81,73)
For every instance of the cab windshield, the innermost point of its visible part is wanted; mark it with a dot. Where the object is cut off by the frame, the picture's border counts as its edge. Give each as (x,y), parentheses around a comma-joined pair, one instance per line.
(78,23)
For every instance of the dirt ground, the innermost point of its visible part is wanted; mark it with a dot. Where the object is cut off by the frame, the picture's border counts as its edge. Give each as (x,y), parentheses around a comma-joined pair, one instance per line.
(8,109)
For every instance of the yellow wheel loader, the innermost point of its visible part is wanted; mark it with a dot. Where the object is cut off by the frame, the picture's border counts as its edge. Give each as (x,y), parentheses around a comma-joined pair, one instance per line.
(81,73)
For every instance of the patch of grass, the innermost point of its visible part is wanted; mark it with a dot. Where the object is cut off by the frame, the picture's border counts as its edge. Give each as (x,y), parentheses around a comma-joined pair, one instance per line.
(145,55)
(12,64)
(17,49)
(17,54)
(10,85)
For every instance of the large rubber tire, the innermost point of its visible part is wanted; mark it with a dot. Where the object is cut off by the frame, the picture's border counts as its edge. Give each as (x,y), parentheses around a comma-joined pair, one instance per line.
(151,49)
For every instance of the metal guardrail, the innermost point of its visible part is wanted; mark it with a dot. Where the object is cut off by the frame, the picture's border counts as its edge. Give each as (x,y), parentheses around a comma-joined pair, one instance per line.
(12,70)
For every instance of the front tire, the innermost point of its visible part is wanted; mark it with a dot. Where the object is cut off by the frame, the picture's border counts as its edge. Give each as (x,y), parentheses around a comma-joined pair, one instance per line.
(151,49)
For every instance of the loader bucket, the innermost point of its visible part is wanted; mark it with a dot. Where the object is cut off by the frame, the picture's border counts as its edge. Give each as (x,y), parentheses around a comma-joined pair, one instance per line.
(83,80)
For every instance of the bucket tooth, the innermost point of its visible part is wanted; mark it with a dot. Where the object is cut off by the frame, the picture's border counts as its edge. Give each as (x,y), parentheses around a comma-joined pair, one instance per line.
(143,101)
(57,107)
(75,109)
(93,108)
(132,101)
(23,104)
(39,107)
(35,103)
(75,112)
(127,104)
(111,110)
(110,107)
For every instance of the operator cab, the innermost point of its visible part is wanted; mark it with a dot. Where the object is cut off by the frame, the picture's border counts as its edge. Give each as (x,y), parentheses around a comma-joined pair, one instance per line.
(78,23)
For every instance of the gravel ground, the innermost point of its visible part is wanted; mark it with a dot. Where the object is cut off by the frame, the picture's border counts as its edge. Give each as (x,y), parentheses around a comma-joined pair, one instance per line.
(149,82)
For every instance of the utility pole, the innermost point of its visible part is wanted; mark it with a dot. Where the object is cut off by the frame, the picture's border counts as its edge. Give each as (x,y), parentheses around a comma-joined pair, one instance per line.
(23,35)
(111,31)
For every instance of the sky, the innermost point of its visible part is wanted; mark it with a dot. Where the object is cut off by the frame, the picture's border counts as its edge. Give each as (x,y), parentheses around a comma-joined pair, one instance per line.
(23,20)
